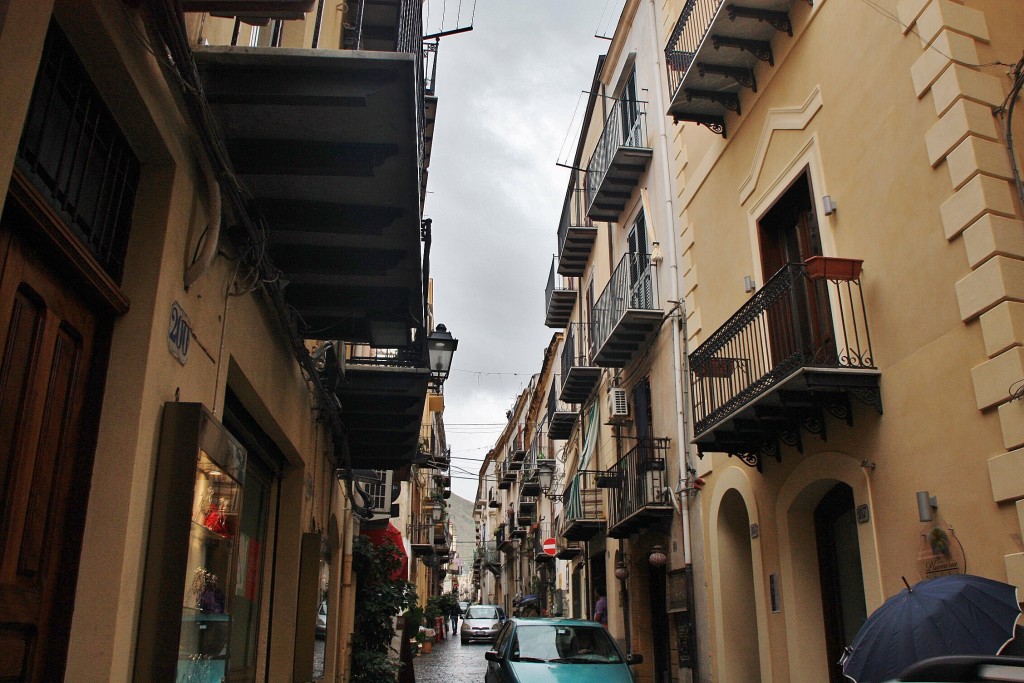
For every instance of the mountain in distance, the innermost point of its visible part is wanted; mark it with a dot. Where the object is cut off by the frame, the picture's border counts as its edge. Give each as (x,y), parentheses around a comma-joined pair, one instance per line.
(461,511)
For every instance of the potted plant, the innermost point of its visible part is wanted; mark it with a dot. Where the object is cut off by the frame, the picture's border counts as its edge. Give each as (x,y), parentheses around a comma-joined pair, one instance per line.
(833,268)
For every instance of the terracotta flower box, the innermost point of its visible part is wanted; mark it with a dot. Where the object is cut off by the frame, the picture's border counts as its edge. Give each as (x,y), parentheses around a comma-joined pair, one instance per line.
(833,268)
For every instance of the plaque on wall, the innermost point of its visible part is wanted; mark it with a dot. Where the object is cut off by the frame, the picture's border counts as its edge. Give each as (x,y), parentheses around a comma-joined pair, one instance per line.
(676,590)
(940,552)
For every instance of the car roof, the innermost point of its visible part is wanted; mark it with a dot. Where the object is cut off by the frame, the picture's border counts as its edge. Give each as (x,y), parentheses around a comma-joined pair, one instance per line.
(554,621)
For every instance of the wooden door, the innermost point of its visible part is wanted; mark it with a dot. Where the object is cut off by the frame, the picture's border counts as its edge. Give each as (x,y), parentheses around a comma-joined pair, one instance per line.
(800,322)
(47,339)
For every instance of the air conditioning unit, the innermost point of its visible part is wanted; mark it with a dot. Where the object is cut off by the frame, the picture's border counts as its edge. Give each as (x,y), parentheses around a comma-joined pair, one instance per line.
(618,405)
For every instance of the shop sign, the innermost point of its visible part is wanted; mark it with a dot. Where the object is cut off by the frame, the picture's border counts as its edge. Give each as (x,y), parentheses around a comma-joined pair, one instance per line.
(940,554)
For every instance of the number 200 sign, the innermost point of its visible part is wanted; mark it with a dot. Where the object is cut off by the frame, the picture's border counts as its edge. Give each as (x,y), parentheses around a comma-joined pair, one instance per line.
(179,333)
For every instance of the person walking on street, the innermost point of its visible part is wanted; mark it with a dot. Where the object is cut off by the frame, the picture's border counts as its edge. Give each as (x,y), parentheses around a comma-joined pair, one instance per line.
(601,607)
(454,616)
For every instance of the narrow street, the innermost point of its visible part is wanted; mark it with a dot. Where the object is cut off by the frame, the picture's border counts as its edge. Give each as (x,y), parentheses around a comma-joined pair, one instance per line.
(452,662)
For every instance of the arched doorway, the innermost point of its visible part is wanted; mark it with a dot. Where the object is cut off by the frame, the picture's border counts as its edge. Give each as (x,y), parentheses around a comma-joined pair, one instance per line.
(839,567)
(739,611)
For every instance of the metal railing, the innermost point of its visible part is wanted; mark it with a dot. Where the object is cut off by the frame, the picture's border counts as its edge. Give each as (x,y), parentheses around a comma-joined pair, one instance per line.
(641,476)
(797,320)
(692,26)
(555,405)
(557,282)
(422,530)
(576,349)
(583,499)
(633,285)
(574,212)
(625,127)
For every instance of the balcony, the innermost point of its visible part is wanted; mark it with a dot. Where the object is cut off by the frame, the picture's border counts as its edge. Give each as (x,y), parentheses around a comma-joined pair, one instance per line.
(505,475)
(796,351)
(580,375)
(637,502)
(421,537)
(576,232)
(619,159)
(561,415)
(627,314)
(583,508)
(382,392)
(503,541)
(560,298)
(712,54)
(527,508)
(329,146)
(517,449)
(541,533)
(567,550)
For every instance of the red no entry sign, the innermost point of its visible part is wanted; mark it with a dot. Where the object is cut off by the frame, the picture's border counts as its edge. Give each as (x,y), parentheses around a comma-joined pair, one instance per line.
(549,546)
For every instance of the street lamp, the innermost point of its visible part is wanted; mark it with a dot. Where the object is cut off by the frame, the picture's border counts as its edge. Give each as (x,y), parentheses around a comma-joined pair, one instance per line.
(441,347)
(545,475)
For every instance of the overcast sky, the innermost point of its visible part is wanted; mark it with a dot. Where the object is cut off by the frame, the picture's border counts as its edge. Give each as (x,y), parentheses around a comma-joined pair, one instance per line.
(507,93)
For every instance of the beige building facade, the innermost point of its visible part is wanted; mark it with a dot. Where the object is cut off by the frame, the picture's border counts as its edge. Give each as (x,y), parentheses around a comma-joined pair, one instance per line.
(178,296)
(786,287)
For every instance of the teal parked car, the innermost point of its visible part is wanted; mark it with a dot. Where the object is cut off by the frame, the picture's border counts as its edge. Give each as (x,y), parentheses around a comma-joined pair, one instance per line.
(557,651)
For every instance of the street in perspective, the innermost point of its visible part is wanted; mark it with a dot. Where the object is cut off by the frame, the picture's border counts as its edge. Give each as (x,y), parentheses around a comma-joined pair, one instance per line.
(511,341)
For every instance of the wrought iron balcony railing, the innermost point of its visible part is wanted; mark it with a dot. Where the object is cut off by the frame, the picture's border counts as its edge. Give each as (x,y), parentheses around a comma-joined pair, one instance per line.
(421,535)
(805,324)
(559,297)
(561,415)
(619,158)
(641,480)
(580,375)
(576,231)
(583,510)
(690,29)
(627,313)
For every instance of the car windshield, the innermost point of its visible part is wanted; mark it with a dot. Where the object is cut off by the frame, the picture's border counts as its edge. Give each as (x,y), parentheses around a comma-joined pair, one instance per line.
(567,644)
(482,613)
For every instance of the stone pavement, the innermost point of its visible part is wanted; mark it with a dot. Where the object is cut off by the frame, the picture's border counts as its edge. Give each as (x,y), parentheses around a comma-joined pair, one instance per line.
(452,662)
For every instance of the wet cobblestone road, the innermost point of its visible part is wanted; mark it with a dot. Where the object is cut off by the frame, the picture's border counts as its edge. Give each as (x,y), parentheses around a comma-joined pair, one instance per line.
(452,662)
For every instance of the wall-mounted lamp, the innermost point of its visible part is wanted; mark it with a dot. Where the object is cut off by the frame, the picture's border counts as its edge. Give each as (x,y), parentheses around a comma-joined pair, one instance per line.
(926,505)
(748,284)
(435,513)
(657,558)
(441,346)
(621,570)
(829,205)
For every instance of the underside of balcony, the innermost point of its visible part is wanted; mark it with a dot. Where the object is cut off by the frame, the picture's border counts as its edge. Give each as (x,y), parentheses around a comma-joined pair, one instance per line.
(326,142)
(579,383)
(800,403)
(568,550)
(653,515)
(633,330)
(575,253)
(616,186)
(382,407)
(582,529)
(713,52)
(560,423)
(559,308)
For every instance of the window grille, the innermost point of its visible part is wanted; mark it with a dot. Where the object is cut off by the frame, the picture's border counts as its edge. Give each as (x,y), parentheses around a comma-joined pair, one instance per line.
(78,157)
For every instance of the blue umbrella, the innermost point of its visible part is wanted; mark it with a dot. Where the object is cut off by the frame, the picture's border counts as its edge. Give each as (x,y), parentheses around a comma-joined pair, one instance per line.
(957,614)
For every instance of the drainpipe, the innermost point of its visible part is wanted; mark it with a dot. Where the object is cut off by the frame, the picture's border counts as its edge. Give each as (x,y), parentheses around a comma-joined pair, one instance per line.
(201,265)
(680,358)
(677,343)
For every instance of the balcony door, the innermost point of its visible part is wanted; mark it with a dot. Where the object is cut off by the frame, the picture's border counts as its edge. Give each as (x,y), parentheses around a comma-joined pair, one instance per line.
(800,321)
(630,113)
(640,290)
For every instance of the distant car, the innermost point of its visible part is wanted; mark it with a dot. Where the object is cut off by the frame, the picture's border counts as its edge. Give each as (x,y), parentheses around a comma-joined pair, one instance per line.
(481,622)
(321,620)
(535,649)
(464,605)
